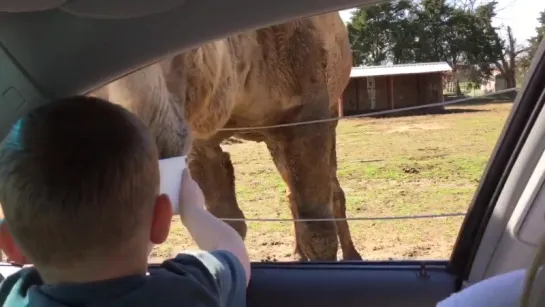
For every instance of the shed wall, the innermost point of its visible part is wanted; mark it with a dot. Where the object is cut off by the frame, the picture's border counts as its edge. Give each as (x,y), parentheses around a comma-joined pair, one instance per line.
(392,92)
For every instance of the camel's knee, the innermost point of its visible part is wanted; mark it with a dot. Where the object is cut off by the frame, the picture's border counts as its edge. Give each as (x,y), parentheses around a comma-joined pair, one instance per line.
(213,170)
(339,199)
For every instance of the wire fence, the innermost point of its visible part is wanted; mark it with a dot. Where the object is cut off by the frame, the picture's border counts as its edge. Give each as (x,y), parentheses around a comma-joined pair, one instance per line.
(371,114)
(360,218)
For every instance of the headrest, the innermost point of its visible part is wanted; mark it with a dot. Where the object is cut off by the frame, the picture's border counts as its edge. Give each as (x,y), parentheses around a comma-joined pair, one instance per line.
(112,9)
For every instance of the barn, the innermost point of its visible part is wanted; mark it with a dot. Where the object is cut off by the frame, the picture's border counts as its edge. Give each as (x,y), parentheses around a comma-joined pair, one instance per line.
(374,88)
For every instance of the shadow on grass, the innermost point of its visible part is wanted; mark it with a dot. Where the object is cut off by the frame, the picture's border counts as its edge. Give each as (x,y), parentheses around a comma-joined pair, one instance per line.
(452,109)
(232,140)
(421,112)
(507,97)
(485,101)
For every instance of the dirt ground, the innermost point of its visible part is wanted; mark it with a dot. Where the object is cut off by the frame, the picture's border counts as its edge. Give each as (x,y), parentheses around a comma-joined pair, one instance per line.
(410,165)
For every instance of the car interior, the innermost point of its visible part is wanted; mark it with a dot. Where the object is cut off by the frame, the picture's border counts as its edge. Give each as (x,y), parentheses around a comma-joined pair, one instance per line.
(56,48)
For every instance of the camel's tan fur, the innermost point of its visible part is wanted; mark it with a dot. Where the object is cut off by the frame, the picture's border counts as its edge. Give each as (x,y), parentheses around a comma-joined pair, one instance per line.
(286,73)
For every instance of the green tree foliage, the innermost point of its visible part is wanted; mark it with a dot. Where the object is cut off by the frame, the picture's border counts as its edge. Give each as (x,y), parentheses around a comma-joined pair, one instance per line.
(374,29)
(484,45)
(436,30)
(540,34)
(494,47)
(533,44)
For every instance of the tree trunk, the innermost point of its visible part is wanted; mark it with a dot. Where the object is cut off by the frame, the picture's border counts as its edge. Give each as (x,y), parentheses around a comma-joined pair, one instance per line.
(456,78)
(458,89)
(510,79)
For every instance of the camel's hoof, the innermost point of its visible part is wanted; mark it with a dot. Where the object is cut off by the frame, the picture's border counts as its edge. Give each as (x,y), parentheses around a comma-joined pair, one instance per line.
(352,257)
(299,258)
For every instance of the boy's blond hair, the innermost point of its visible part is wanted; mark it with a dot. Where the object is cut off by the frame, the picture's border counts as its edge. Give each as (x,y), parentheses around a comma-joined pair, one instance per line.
(78,179)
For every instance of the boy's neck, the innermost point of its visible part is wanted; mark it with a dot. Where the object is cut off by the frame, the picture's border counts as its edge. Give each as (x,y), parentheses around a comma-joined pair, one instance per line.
(85,273)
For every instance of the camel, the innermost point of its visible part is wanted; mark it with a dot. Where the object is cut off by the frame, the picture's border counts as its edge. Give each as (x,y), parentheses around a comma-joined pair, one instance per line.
(286,73)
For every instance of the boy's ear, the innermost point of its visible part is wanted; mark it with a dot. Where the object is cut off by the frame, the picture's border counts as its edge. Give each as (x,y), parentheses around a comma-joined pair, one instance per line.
(8,246)
(162,217)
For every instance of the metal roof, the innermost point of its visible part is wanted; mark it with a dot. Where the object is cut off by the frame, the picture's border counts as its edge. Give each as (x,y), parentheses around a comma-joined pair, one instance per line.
(400,69)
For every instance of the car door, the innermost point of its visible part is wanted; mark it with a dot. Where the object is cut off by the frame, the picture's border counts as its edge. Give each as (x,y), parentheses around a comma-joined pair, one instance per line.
(45,55)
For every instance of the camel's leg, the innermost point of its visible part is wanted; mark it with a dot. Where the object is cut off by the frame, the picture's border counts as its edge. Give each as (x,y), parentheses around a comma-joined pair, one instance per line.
(302,155)
(339,208)
(212,169)
(293,206)
(295,215)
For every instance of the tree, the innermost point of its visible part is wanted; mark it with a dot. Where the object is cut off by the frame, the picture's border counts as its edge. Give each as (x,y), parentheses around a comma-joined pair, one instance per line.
(535,41)
(490,49)
(430,21)
(374,29)
(455,31)
(402,33)
(369,41)
(533,44)
(507,64)
(443,31)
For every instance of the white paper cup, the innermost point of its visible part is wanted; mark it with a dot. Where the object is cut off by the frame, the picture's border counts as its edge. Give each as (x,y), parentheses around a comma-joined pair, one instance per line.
(171,171)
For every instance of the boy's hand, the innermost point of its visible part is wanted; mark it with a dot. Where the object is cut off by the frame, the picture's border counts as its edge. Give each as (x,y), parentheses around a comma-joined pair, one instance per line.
(190,193)
(8,246)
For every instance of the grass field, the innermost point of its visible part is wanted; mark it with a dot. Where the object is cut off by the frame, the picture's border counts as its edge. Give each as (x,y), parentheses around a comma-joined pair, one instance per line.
(409,165)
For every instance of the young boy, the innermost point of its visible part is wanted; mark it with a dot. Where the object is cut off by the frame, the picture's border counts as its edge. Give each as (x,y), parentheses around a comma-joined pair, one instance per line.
(79,187)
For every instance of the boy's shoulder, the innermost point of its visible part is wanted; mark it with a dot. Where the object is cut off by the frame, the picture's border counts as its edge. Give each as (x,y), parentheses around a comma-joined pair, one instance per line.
(219,272)
(18,279)
(205,278)
(497,291)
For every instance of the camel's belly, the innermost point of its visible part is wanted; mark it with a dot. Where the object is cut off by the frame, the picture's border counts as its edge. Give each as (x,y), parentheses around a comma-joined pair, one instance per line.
(252,112)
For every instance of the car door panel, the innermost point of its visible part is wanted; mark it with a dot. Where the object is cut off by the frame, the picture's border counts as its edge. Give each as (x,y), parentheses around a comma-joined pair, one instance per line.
(360,284)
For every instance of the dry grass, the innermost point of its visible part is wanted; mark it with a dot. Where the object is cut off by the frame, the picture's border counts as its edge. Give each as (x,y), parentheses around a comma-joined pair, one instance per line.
(393,166)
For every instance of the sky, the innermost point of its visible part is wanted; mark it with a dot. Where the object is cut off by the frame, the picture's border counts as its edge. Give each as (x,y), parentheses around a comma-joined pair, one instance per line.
(521,15)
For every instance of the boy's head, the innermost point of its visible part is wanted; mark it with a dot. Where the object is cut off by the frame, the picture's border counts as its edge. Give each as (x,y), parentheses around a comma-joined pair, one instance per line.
(79,185)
